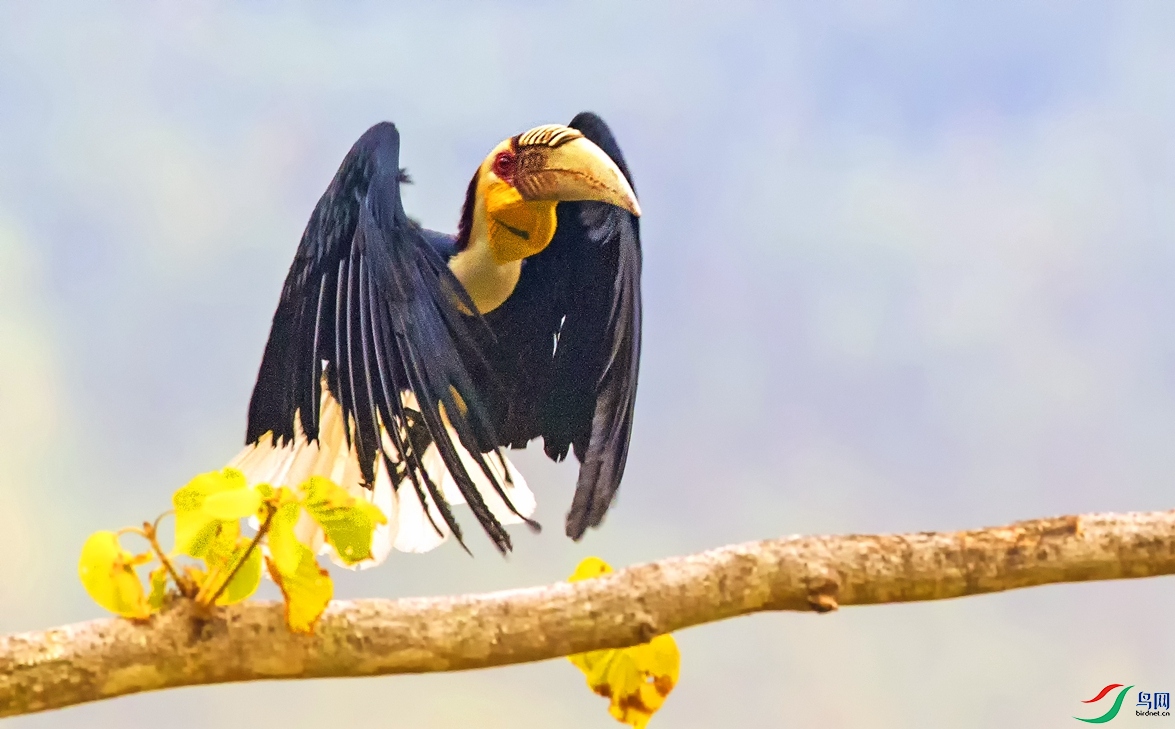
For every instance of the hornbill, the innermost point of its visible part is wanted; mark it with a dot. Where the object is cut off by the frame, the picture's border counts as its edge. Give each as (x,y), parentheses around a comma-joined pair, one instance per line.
(402,361)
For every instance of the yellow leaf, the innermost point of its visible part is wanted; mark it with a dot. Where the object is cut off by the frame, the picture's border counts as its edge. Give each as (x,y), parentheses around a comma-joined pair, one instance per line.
(265,490)
(108,574)
(307,591)
(635,680)
(347,522)
(220,545)
(195,527)
(307,588)
(158,580)
(284,548)
(234,504)
(588,568)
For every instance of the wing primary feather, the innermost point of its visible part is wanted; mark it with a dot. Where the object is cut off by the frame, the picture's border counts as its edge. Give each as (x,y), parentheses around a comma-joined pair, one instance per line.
(413,468)
(350,351)
(388,407)
(369,425)
(403,325)
(335,380)
(347,372)
(483,464)
(392,329)
(299,353)
(316,366)
(432,423)
(440,394)
(465,485)
(533,525)
(445,284)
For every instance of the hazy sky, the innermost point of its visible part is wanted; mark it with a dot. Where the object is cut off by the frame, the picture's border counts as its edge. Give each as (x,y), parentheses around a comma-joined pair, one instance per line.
(908,266)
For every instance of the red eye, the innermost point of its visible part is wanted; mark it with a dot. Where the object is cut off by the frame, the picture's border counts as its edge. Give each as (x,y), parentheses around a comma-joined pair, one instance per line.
(504,165)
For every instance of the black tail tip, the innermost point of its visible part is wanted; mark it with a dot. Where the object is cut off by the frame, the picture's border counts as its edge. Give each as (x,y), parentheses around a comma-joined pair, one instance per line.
(576,527)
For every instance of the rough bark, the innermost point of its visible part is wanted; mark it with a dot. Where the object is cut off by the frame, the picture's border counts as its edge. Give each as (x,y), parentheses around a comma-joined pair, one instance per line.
(179,647)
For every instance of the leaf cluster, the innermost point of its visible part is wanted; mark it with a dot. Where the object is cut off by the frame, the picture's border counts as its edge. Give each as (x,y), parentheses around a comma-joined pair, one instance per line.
(223,565)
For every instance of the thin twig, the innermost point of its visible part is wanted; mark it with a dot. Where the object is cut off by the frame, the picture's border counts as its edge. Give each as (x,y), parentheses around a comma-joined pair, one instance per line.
(270,511)
(151,531)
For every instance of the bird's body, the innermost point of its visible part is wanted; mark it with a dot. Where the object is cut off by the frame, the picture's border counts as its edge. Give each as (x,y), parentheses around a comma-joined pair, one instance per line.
(402,361)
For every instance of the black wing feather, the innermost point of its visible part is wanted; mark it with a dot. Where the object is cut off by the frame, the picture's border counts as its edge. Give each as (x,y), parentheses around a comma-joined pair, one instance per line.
(596,372)
(371,293)
(568,344)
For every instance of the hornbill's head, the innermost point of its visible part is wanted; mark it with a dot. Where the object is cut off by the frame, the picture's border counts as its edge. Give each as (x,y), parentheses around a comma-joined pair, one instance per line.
(517,187)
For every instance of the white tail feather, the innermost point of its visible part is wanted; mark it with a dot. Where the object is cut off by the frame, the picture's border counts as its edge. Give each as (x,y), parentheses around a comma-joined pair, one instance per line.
(417,532)
(409,528)
(516,489)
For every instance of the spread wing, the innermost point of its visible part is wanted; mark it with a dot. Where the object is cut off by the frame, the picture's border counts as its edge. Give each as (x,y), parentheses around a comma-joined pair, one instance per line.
(568,343)
(370,312)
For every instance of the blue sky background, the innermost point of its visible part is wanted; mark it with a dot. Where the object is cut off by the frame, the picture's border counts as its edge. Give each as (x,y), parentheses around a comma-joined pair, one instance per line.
(908,266)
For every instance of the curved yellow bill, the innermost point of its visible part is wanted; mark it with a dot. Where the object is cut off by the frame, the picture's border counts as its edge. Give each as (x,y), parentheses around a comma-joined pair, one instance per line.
(575,170)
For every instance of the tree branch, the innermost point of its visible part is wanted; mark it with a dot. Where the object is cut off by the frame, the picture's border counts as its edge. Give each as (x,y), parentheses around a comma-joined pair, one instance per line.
(183,646)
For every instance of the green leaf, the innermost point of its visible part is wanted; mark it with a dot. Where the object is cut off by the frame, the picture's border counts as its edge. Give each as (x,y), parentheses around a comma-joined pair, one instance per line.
(307,590)
(107,571)
(195,527)
(635,680)
(348,523)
